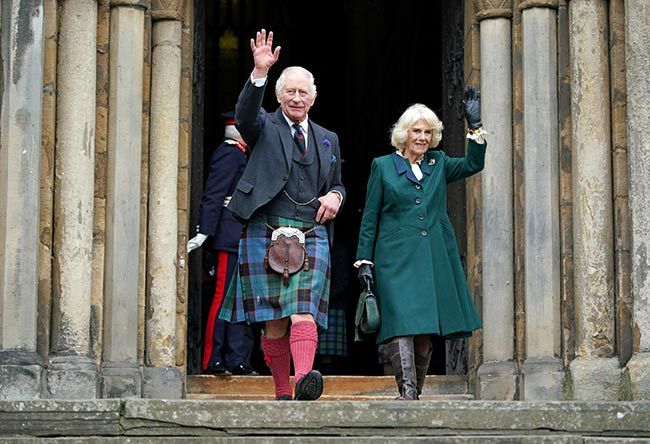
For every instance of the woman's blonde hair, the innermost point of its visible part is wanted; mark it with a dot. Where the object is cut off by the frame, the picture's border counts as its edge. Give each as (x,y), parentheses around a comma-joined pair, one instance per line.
(415,112)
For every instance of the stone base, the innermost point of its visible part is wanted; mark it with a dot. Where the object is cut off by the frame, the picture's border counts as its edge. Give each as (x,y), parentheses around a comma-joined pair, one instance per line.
(162,383)
(638,372)
(596,379)
(72,377)
(153,421)
(498,381)
(21,375)
(121,380)
(543,380)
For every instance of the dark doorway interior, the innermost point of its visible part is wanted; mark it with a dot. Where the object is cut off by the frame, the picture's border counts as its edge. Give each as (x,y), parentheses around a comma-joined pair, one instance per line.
(370,59)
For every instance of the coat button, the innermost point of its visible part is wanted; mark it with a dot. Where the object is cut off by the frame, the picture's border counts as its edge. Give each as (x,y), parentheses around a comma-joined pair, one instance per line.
(421,216)
(285,178)
(417,201)
(423,233)
(418,186)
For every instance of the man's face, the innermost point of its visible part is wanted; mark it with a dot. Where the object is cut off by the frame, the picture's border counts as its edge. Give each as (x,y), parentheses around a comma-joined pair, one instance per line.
(294,98)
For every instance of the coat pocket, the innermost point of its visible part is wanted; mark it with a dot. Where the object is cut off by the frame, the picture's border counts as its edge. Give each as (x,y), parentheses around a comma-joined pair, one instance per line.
(244,186)
(389,233)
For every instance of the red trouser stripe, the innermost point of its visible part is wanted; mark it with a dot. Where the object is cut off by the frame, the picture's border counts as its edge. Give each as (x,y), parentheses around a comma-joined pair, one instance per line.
(219,289)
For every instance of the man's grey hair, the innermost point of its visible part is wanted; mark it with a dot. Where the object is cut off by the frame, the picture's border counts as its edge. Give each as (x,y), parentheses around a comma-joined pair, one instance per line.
(291,70)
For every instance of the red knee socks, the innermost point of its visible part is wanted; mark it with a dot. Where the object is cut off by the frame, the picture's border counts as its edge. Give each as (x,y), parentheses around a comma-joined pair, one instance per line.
(303,340)
(277,355)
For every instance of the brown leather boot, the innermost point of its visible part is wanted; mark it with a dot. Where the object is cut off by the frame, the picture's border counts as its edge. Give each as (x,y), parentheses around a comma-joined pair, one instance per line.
(423,351)
(403,360)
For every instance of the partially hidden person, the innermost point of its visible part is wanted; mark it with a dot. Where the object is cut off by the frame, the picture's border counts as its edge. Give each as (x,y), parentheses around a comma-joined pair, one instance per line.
(407,246)
(288,196)
(227,346)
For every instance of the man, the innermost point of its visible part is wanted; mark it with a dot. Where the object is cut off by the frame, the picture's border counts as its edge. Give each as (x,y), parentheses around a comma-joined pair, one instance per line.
(292,182)
(227,346)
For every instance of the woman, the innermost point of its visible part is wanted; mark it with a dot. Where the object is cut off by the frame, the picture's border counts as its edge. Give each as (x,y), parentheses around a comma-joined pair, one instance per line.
(407,238)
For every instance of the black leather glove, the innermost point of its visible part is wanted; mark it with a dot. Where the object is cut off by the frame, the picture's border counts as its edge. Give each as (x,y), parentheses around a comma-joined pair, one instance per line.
(472,107)
(365,275)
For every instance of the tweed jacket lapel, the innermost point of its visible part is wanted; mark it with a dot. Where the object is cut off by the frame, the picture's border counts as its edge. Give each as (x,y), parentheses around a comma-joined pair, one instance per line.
(323,148)
(285,135)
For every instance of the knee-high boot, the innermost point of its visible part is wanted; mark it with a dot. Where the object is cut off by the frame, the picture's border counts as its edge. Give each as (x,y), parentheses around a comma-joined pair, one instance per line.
(423,351)
(403,360)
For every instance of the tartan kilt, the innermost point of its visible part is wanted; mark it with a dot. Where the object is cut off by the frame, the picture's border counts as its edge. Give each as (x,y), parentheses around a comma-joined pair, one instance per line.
(257,295)
(334,340)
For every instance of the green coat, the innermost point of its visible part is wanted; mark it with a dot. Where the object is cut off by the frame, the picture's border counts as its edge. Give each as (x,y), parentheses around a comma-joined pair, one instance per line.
(406,232)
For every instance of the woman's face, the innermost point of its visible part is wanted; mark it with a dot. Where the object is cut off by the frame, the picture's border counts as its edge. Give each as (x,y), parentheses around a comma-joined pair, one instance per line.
(418,140)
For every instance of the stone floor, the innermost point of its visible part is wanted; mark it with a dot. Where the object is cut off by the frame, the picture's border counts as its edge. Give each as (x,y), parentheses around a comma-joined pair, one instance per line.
(189,421)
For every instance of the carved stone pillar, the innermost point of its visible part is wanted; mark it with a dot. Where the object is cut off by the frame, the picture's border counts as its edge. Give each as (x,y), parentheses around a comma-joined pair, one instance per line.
(72,374)
(637,36)
(595,373)
(121,373)
(543,375)
(21,57)
(497,376)
(161,377)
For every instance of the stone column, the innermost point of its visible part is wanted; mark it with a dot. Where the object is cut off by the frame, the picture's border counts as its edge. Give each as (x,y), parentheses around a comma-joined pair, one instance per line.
(21,56)
(543,375)
(497,375)
(595,373)
(72,374)
(121,373)
(161,377)
(637,55)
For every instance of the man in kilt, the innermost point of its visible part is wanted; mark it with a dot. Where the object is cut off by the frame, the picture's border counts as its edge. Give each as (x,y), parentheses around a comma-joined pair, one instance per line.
(292,179)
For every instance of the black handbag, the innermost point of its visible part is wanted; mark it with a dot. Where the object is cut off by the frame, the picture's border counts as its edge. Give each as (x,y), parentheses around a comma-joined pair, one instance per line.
(367,319)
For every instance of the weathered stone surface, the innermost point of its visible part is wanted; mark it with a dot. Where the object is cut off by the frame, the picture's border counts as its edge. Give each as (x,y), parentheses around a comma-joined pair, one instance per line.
(493,9)
(498,381)
(537,421)
(542,379)
(639,373)
(592,208)
(162,383)
(72,377)
(637,57)
(60,418)
(21,381)
(163,190)
(74,180)
(497,204)
(596,379)
(541,195)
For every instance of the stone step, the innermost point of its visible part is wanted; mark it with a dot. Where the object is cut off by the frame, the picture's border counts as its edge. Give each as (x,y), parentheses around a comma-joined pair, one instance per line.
(194,421)
(340,388)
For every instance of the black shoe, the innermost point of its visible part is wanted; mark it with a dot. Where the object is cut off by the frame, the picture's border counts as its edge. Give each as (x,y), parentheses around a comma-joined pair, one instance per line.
(283,398)
(243,369)
(310,386)
(217,369)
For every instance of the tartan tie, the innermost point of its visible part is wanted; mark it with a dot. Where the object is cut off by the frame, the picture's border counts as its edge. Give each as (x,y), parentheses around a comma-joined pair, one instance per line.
(299,138)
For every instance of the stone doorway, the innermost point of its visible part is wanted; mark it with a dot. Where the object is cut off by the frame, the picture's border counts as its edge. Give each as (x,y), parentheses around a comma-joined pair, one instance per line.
(369,60)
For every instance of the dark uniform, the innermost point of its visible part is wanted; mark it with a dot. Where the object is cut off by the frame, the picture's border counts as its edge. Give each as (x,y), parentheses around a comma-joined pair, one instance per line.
(227,346)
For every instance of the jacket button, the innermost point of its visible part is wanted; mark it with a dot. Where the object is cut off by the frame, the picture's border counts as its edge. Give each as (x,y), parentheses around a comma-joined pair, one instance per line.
(418,186)
(417,201)
(285,178)
(421,216)
(424,233)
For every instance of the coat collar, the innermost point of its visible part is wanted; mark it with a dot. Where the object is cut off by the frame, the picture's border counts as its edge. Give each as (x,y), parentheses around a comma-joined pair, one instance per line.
(402,166)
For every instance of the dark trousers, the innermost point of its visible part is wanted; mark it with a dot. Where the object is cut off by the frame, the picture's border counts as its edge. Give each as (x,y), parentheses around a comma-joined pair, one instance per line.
(225,342)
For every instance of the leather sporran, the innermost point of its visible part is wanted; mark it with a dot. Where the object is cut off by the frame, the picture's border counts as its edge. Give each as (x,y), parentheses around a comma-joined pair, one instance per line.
(367,319)
(287,254)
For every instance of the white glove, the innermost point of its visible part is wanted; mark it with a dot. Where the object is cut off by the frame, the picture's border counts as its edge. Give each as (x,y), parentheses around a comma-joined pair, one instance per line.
(196,241)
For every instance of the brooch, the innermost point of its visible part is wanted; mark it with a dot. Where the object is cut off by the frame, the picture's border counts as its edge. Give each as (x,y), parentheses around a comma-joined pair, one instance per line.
(326,143)
(431,161)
